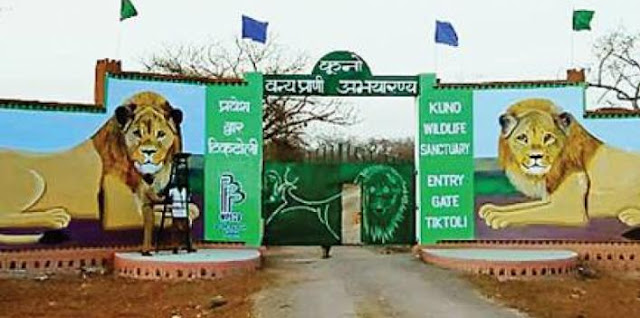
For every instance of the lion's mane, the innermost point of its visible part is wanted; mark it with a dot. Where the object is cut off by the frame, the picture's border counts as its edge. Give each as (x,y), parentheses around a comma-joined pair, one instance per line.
(577,148)
(110,143)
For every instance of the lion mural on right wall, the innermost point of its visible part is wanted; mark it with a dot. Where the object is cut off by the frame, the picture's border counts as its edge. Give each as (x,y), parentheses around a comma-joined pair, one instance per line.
(548,156)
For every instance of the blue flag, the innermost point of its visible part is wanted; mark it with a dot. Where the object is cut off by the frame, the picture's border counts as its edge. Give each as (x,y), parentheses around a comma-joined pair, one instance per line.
(254,29)
(445,33)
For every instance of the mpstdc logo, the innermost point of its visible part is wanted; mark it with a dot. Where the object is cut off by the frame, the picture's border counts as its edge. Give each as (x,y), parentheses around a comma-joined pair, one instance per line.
(230,194)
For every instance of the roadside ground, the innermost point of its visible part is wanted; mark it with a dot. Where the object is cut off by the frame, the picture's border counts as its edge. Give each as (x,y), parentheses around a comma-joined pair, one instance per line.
(108,296)
(296,282)
(573,297)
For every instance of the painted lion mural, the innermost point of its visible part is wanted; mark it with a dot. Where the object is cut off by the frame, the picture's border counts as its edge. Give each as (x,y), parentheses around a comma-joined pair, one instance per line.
(103,178)
(385,199)
(548,156)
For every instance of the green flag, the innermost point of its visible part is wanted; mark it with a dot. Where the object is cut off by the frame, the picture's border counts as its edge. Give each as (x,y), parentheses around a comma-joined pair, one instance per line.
(582,19)
(127,10)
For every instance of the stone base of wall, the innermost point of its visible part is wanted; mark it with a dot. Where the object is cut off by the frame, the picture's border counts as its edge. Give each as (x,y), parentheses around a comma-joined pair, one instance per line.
(203,264)
(502,268)
(612,257)
(74,260)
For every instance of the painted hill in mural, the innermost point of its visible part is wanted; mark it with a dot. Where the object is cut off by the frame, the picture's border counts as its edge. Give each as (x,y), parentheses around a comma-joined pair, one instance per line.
(489,179)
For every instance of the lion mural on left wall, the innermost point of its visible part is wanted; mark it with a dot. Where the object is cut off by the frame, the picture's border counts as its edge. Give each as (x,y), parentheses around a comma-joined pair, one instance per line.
(103,178)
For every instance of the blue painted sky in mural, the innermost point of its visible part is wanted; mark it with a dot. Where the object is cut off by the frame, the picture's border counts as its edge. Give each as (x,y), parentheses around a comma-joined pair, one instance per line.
(490,104)
(44,131)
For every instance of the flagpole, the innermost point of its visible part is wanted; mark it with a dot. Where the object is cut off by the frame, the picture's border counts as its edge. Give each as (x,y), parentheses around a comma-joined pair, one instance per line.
(127,10)
(435,58)
(573,9)
(435,49)
(118,41)
(572,57)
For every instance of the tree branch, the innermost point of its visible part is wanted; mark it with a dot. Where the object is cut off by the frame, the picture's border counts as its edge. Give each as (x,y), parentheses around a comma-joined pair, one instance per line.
(284,118)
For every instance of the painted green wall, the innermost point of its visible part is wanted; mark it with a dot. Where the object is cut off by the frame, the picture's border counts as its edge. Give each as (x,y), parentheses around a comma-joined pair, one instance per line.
(445,162)
(302,201)
(233,162)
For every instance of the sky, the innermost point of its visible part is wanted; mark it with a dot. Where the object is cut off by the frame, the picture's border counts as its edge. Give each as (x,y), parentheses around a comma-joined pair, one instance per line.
(49,48)
(490,104)
(190,99)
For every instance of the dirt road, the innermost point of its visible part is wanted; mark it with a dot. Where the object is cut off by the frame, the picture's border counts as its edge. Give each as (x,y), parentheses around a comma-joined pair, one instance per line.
(363,282)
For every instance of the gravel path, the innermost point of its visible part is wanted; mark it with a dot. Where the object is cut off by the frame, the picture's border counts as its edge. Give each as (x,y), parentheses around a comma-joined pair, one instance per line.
(364,282)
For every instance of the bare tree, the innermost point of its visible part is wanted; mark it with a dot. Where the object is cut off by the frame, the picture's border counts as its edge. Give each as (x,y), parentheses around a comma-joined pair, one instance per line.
(617,71)
(397,148)
(285,117)
(400,148)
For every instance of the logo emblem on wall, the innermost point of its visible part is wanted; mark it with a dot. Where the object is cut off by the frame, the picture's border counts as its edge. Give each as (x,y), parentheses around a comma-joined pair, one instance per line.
(230,195)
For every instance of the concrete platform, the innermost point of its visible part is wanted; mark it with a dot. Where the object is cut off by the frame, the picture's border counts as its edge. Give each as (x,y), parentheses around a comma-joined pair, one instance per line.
(500,262)
(203,264)
(609,256)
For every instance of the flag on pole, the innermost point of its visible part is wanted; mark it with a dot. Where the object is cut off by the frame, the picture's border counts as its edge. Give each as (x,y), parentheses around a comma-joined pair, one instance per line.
(582,19)
(445,33)
(127,10)
(254,29)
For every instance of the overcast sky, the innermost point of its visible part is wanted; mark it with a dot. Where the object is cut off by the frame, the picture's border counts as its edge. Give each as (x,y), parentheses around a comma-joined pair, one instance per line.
(49,48)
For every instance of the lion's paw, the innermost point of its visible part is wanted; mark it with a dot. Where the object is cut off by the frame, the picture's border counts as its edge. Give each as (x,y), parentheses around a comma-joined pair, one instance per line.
(194,211)
(57,218)
(498,220)
(630,217)
(487,208)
